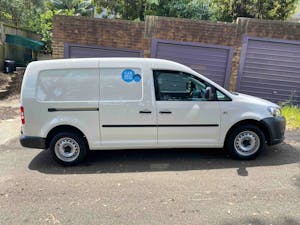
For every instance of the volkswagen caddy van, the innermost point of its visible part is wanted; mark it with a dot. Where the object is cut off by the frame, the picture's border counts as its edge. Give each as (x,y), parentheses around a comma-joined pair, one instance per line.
(71,106)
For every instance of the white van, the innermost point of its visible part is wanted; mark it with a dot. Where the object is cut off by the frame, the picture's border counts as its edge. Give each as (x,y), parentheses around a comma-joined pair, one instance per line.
(71,106)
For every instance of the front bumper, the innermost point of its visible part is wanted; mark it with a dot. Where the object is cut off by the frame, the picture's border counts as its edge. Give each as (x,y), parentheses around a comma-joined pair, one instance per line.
(276,129)
(33,142)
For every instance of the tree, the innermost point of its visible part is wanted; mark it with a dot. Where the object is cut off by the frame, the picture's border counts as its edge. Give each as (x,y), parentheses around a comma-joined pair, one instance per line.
(229,10)
(20,12)
(191,9)
(80,7)
(12,11)
(37,15)
(122,9)
(43,26)
(137,9)
(42,23)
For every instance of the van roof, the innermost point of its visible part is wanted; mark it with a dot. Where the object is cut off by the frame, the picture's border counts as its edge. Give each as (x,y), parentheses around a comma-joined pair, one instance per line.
(89,62)
(74,63)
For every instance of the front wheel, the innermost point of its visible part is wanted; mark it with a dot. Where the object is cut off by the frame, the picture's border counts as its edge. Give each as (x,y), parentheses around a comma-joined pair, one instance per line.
(68,148)
(245,142)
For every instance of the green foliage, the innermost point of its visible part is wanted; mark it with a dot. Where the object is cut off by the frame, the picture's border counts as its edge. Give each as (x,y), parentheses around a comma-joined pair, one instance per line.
(20,12)
(122,9)
(43,26)
(37,15)
(292,115)
(229,10)
(192,9)
(12,11)
(137,9)
(80,7)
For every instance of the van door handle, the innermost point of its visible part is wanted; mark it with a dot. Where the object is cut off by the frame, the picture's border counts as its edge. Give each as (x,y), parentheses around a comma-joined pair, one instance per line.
(165,112)
(145,112)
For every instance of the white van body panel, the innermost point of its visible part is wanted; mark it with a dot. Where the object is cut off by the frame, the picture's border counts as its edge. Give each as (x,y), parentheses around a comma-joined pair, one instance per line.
(125,112)
(78,120)
(242,107)
(120,115)
(39,122)
(188,114)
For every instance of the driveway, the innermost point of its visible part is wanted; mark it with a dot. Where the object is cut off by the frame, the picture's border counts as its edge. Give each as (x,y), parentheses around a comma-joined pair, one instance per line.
(151,187)
(146,186)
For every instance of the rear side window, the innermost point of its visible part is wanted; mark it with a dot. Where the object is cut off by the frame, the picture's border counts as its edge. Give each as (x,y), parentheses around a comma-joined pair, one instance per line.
(121,84)
(68,85)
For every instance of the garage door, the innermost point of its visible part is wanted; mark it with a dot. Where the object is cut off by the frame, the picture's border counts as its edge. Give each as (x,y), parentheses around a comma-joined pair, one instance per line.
(270,69)
(87,51)
(213,61)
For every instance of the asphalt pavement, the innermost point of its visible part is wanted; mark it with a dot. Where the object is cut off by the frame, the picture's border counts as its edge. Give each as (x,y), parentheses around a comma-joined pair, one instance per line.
(151,187)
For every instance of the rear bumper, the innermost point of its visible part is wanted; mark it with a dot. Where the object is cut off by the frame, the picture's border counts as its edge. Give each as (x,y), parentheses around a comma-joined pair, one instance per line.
(33,142)
(276,129)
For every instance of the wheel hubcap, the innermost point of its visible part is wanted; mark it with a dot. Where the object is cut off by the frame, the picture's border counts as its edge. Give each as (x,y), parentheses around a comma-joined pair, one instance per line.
(67,149)
(246,143)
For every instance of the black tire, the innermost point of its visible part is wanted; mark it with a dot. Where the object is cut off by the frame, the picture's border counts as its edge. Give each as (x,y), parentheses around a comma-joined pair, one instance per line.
(65,143)
(242,137)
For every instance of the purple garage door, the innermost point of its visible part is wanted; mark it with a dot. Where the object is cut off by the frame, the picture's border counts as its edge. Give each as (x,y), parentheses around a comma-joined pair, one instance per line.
(213,61)
(88,51)
(270,69)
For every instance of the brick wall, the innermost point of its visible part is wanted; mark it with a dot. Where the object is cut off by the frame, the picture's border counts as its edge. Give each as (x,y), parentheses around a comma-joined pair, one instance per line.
(138,35)
(269,28)
(101,32)
(218,33)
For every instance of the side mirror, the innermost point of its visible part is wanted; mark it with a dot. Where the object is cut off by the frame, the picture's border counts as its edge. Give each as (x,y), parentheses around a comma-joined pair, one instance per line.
(209,95)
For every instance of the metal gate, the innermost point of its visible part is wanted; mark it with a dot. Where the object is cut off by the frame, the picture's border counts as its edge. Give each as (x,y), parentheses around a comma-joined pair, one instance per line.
(270,69)
(213,61)
(90,51)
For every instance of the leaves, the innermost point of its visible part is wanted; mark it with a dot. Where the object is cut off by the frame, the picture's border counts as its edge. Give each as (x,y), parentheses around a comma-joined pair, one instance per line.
(12,11)
(45,26)
(37,15)
(80,7)
(137,9)
(229,10)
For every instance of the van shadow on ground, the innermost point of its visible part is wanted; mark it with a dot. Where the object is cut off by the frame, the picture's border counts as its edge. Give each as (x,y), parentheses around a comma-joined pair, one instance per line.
(123,161)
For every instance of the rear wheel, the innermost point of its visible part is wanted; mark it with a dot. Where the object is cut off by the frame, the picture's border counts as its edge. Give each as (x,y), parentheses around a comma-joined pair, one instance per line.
(245,142)
(68,148)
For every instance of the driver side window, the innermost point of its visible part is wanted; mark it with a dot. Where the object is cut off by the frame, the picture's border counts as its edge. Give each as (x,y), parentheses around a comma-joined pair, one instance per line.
(179,86)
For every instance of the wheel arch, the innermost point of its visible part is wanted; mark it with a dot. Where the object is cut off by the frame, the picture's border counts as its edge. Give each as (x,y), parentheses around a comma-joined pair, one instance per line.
(63,128)
(257,123)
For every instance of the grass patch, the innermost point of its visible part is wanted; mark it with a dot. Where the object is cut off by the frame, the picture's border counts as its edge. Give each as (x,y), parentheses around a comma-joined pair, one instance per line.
(292,115)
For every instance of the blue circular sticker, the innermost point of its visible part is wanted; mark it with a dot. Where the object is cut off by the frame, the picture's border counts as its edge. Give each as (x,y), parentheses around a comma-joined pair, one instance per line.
(137,77)
(128,75)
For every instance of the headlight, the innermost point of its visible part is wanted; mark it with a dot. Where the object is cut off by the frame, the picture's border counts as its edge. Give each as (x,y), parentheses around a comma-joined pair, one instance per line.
(274,111)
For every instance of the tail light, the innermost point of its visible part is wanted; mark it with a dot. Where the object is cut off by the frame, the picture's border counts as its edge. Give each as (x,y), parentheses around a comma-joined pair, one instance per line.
(22,115)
